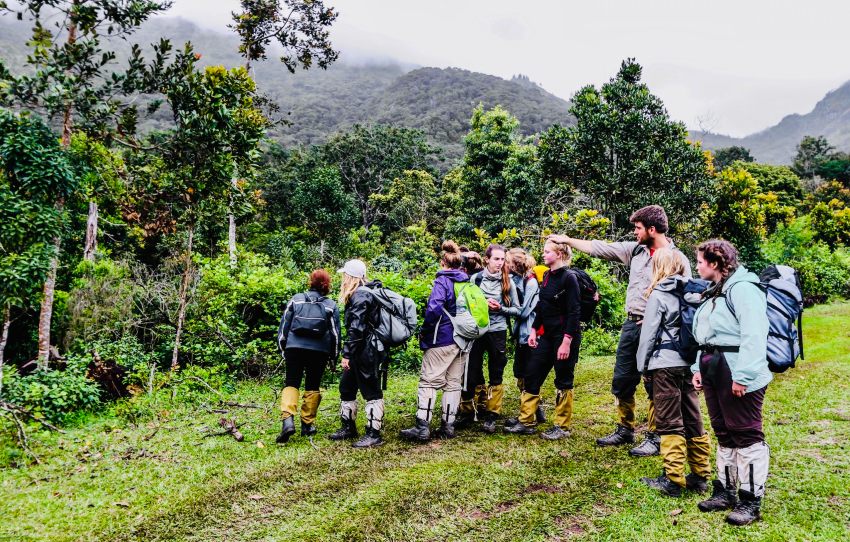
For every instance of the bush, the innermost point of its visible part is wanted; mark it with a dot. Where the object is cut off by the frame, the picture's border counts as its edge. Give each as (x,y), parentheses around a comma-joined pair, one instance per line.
(53,394)
(128,353)
(596,341)
(612,294)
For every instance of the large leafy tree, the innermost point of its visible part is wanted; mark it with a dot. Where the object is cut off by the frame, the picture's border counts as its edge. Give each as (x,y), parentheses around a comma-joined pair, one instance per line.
(812,152)
(625,153)
(724,157)
(738,214)
(34,171)
(370,157)
(72,78)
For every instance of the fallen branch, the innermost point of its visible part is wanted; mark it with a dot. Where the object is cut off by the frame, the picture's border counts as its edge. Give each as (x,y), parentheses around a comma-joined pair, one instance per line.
(15,410)
(231,428)
(22,436)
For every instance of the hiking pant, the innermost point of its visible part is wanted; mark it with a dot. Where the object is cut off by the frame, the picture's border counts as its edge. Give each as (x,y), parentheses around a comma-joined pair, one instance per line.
(626,377)
(737,421)
(365,379)
(544,358)
(493,343)
(522,354)
(442,369)
(301,363)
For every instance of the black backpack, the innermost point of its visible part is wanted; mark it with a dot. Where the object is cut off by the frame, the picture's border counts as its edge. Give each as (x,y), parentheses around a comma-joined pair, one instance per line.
(310,317)
(686,345)
(589,294)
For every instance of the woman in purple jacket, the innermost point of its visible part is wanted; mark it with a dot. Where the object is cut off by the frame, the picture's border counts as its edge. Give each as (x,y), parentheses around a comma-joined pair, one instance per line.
(442,359)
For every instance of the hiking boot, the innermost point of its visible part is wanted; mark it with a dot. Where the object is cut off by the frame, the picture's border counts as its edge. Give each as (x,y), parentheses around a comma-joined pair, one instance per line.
(287,429)
(510,422)
(664,485)
(696,483)
(555,432)
(721,498)
(489,425)
(419,432)
(650,446)
(540,414)
(621,435)
(347,430)
(464,421)
(308,429)
(520,429)
(370,439)
(446,431)
(746,511)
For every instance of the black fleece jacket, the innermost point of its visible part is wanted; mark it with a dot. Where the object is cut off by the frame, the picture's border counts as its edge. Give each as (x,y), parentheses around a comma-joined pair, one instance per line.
(559,308)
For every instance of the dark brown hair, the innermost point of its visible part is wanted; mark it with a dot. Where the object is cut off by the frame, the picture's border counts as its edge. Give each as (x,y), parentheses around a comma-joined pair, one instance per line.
(471,261)
(320,281)
(506,276)
(451,255)
(651,216)
(721,252)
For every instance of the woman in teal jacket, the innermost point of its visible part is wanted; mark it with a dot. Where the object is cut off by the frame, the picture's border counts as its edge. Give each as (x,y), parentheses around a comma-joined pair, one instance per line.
(732,370)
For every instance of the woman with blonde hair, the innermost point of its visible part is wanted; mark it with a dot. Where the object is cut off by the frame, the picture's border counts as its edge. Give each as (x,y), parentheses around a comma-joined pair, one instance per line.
(660,358)
(555,338)
(361,357)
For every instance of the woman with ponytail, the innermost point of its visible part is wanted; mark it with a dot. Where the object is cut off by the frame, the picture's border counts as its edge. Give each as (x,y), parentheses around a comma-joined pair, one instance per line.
(500,291)
(443,360)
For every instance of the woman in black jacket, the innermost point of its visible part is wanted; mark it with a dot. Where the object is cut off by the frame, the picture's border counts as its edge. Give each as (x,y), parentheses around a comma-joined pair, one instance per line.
(555,337)
(308,338)
(362,357)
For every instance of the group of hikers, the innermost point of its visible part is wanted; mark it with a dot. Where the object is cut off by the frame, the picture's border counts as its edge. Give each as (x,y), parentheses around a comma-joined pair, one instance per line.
(724,313)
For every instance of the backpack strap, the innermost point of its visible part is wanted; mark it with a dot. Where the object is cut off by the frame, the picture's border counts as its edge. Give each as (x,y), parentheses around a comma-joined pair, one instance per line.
(637,250)
(479,278)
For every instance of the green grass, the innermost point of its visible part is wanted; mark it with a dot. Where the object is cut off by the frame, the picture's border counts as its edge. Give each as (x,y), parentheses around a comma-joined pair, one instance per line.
(108,479)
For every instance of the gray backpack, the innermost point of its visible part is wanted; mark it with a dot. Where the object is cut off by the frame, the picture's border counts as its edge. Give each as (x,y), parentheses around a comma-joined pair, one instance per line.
(397,319)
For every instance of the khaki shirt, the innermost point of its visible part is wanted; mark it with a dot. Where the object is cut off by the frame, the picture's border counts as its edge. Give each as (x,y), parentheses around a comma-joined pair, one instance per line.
(640,268)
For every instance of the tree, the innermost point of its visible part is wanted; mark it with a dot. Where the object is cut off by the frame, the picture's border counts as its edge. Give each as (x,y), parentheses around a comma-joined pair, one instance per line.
(74,79)
(812,152)
(502,186)
(300,28)
(324,205)
(33,172)
(724,157)
(370,157)
(836,167)
(625,153)
(737,214)
(410,199)
(781,180)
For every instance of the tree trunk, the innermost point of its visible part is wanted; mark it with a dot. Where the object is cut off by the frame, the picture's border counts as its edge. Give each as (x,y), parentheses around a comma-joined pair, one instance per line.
(7,321)
(184,294)
(46,313)
(91,232)
(231,229)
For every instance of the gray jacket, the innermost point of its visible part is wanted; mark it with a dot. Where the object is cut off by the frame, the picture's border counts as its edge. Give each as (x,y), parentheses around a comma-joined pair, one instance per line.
(661,321)
(530,297)
(330,344)
(491,285)
(640,268)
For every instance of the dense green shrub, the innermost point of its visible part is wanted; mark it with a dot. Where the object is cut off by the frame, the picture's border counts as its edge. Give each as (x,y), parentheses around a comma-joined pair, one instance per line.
(596,341)
(53,394)
(612,293)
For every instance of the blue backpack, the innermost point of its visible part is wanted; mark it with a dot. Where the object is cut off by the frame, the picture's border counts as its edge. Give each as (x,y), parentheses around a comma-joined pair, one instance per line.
(689,294)
(784,290)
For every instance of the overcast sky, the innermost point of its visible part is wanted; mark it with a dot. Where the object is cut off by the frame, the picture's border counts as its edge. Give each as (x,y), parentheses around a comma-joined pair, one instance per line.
(734,67)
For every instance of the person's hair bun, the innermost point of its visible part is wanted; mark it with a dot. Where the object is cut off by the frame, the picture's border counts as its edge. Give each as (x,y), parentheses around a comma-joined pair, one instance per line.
(450,247)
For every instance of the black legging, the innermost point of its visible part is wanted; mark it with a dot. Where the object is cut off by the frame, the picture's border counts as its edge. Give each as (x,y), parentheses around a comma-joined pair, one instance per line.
(544,357)
(300,361)
(493,343)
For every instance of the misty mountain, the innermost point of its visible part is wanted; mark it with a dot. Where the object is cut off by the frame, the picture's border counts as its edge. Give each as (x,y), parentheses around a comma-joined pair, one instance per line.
(317,103)
(777,144)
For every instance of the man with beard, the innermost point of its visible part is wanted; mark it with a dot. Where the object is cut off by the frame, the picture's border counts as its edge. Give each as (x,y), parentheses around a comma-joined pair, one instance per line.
(650,228)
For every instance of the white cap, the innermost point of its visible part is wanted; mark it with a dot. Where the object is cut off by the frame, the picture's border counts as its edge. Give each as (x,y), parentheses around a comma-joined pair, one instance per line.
(354,268)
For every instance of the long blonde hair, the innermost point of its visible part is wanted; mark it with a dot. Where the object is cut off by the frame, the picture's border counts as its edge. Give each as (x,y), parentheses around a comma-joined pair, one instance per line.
(665,263)
(349,285)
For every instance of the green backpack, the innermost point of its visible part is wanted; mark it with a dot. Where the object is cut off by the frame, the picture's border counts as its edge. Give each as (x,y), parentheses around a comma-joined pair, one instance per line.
(473,314)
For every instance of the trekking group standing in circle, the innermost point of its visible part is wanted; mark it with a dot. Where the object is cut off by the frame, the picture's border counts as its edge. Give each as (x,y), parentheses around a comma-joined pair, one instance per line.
(723,333)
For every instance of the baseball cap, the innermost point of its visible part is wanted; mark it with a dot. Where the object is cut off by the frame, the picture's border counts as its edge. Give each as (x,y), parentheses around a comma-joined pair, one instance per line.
(354,268)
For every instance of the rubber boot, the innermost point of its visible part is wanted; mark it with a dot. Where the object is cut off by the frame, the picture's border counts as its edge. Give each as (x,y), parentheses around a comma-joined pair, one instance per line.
(495,398)
(288,407)
(526,421)
(310,401)
(347,417)
(626,412)
(374,421)
(562,418)
(699,459)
